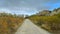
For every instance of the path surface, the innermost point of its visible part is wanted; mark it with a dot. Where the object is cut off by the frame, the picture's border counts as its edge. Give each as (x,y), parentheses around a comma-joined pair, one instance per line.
(29,28)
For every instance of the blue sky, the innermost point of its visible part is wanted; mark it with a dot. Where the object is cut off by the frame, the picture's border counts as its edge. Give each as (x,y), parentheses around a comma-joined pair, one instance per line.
(27,6)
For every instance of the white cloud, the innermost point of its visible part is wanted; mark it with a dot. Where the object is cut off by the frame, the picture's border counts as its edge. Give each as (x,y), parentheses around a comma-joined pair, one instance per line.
(26,6)
(4,10)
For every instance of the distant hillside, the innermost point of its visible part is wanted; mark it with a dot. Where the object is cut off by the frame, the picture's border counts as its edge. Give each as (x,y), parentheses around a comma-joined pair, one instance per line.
(44,13)
(55,11)
(48,13)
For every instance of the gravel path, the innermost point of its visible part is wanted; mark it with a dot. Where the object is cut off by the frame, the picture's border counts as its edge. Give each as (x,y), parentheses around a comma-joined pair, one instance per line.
(29,28)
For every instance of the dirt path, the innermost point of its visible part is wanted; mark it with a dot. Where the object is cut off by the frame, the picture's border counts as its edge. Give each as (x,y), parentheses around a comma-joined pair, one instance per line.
(29,28)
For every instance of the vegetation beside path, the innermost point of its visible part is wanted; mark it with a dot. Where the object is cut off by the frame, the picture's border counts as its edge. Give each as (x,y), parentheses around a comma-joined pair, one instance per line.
(9,23)
(50,23)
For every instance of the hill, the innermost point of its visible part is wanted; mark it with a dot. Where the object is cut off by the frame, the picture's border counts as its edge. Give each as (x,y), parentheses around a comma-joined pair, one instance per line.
(50,22)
